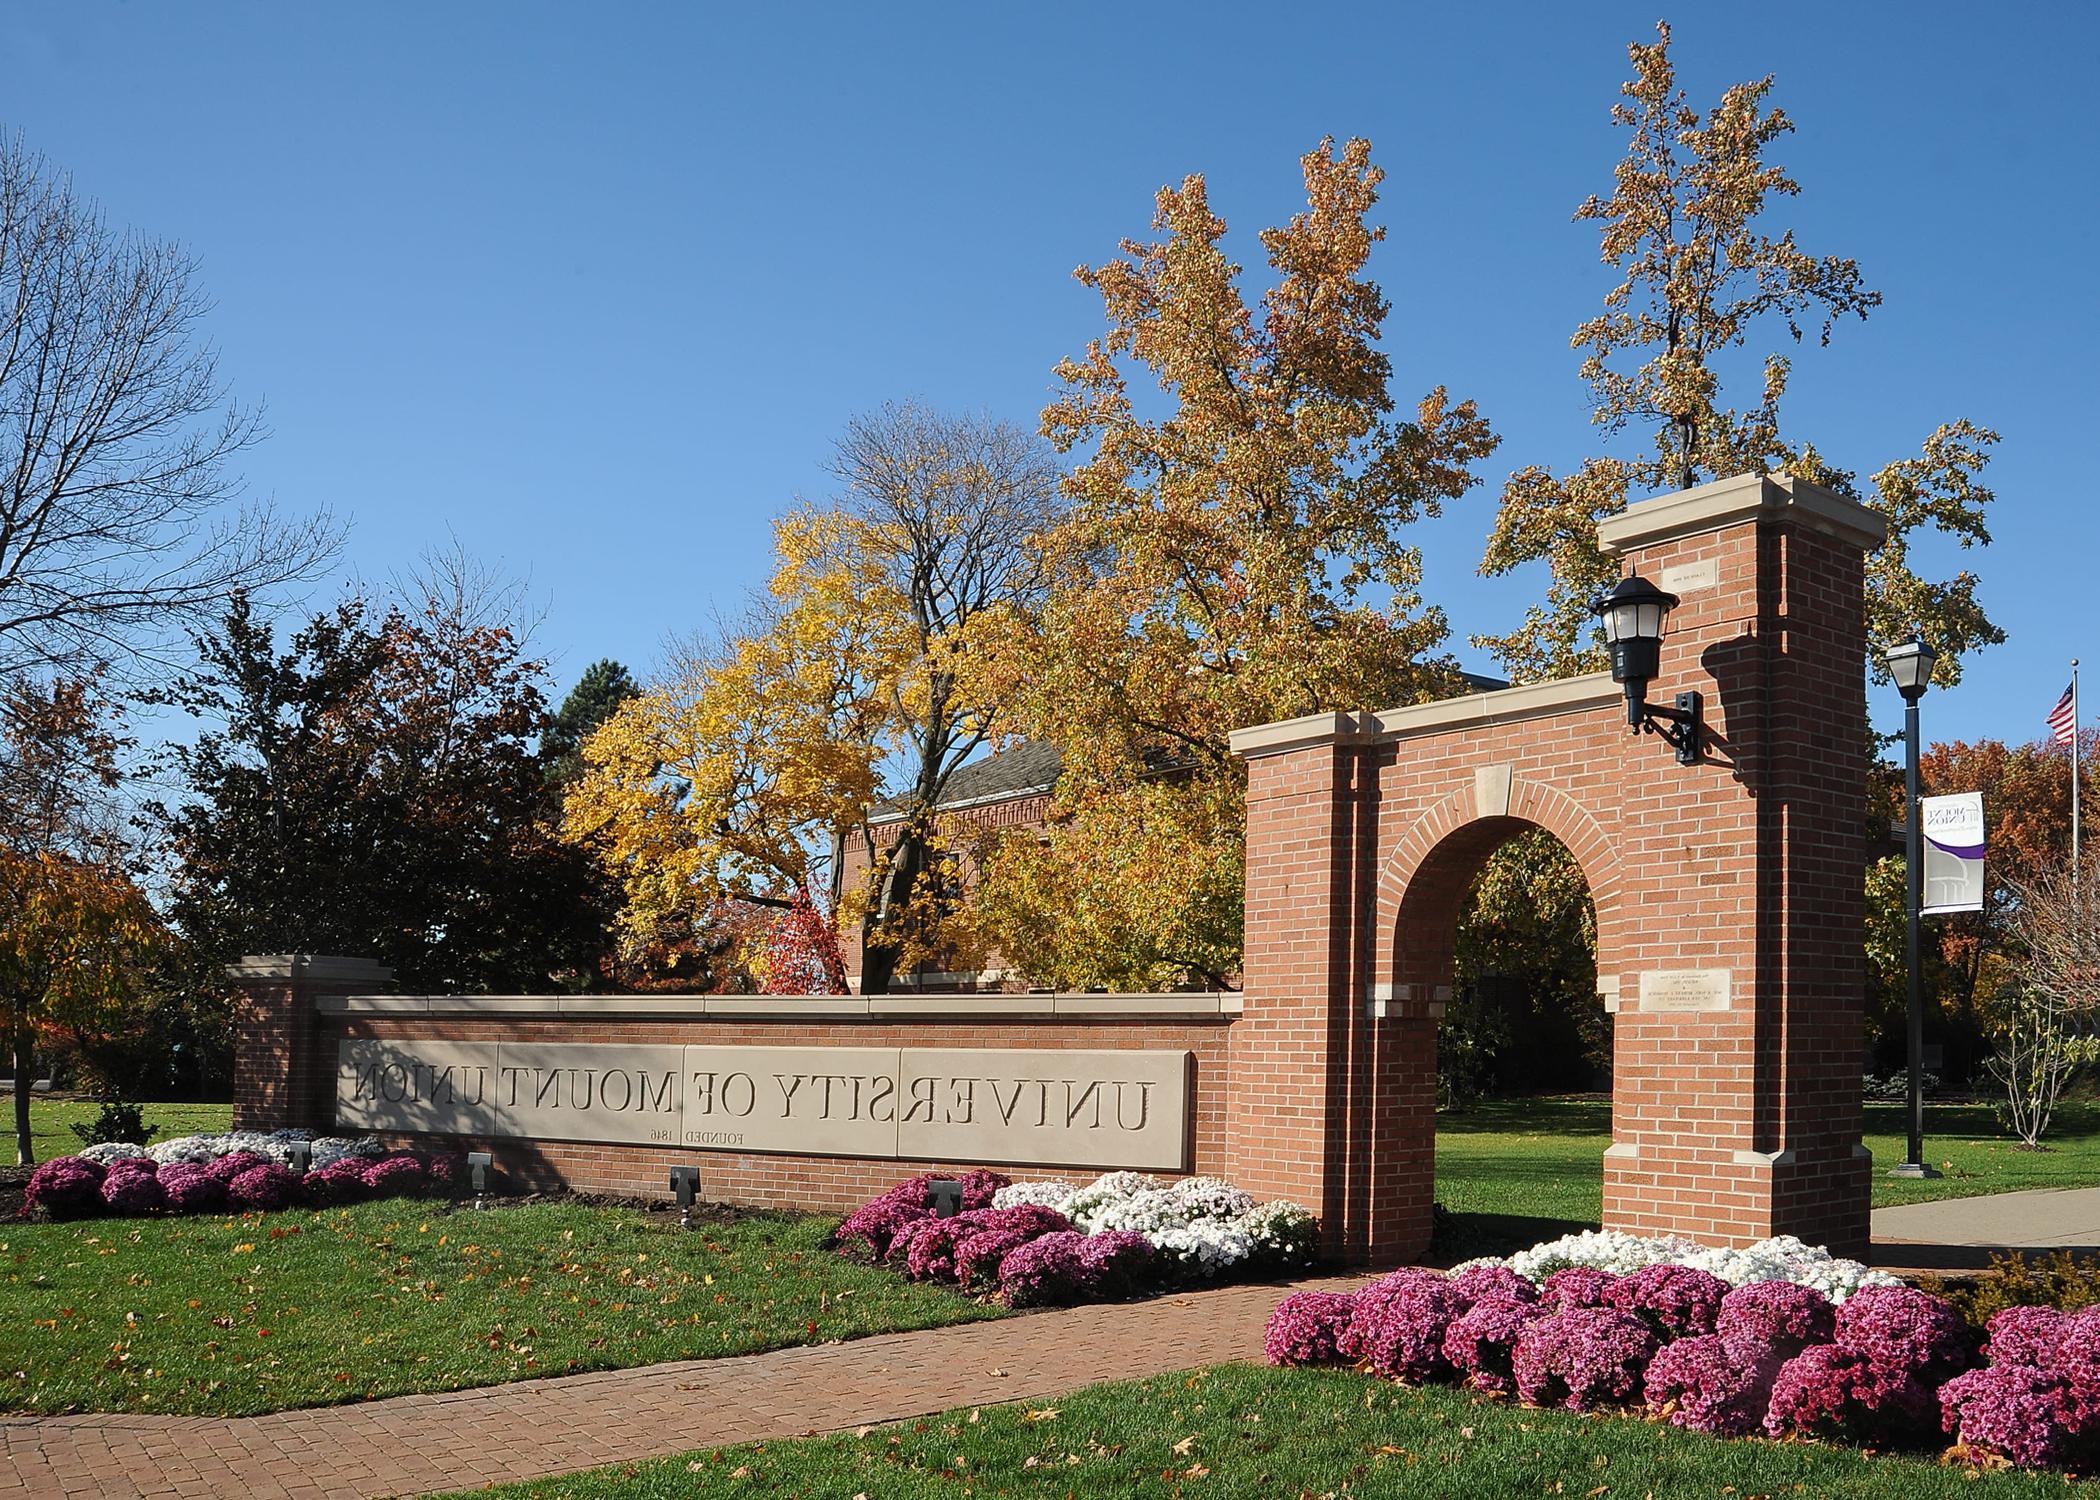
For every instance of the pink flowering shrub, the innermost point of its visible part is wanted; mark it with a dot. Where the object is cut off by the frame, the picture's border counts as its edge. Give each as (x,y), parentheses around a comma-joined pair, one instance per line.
(1774,1317)
(1371,1303)
(447,1169)
(979,1186)
(1675,1301)
(1116,1263)
(401,1175)
(66,1187)
(1481,1341)
(879,1221)
(1837,1391)
(341,1181)
(1486,1283)
(2021,1413)
(998,1230)
(267,1187)
(1900,1329)
(1405,1339)
(1576,1286)
(1045,1270)
(1702,1383)
(133,1193)
(231,1165)
(2024,1336)
(1306,1328)
(1583,1358)
(190,1189)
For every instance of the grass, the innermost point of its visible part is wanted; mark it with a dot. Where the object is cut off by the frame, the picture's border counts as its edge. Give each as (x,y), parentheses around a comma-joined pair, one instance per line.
(51,1122)
(232,1315)
(1523,1170)
(1245,1430)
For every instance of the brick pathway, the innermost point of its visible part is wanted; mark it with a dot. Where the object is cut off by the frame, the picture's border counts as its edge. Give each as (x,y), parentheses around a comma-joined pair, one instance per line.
(413,1445)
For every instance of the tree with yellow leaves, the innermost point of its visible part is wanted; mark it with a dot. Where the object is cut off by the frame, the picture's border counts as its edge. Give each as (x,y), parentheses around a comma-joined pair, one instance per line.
(1700,275)
(743,774)
(1235,556)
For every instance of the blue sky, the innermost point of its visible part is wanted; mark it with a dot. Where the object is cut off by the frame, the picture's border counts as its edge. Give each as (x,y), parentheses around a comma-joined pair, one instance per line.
(592,287)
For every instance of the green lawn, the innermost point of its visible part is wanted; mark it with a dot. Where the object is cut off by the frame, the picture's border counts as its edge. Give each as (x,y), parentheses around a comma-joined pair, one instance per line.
(50,1122)
(1519,1168)
(1248,1431)
(233,1315)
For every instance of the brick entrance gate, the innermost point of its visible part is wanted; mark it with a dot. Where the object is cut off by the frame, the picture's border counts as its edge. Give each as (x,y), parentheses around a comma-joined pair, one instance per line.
(1728,897)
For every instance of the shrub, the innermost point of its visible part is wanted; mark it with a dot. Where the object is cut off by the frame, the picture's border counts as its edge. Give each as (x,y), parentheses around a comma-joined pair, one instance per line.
(66,1187)
(928,1246)
(1676,1301)
(1044,1194)
(2025,1336)
(1836,1391)
(1045,1270)
(1708,1385)
(230,1166)
(1902,1330)
(1405,1339)
(401,1175)
(980,1187)
(879,1221)
(1282,1234)
(1306,1328)
(190,1189)
(1775,1317)
(134,1193)
(1491,1282)
(1577,1286)
(994,1231)
(1116,1262)
(117,1120)
(268,1187)
(448,1170)
(2060,1280)
(1481,1341)
(2020,1413)
(1371,1304)
(139,1166)
(1583,1358)
(341,1181)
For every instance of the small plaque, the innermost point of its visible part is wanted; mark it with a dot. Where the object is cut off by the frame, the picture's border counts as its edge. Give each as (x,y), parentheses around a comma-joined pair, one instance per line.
(1690,577)
(1684,989)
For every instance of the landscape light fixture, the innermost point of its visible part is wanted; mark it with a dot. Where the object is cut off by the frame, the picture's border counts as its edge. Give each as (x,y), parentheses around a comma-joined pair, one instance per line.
(944,1197)
(478,1163)
(300,1154)
(1910,664)
(1633,614)
(685,1181)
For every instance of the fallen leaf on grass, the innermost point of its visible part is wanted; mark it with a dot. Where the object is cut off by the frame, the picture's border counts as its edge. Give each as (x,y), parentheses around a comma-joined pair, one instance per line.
(1182,1448)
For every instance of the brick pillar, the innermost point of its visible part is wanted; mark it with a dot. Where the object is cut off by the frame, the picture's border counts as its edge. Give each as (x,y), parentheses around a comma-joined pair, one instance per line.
(1301,1063)
(279,1078)
(1742,1121)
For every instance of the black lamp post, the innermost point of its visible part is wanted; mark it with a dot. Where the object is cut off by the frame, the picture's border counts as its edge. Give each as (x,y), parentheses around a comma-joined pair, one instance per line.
(1633,614)
(1911,665)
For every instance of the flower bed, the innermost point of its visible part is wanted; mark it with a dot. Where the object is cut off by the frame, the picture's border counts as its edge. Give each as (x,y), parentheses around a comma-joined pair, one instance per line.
(1030,1243)
(237,1170)
(1782,1339)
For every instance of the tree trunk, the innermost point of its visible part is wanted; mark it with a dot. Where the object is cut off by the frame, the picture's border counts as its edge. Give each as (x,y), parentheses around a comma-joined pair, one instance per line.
(879,946)
(25,1066)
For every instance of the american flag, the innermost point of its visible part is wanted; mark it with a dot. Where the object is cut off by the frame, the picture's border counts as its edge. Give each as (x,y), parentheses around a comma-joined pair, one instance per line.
(2063,719)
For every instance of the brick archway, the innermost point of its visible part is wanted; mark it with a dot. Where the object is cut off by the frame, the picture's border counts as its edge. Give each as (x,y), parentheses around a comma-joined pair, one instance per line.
(1728,898)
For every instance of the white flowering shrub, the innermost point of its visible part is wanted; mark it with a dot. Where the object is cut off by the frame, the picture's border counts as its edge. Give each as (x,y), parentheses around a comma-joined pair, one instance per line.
(1041,1194)
(1085,1206)
(275,1144)
(1282,1233)
(106,1152)
(1784,1258)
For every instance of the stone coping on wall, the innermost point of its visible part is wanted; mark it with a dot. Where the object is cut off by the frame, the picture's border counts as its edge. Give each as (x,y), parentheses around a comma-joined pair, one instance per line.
(874,1008)
(1743,497)
(1566,695)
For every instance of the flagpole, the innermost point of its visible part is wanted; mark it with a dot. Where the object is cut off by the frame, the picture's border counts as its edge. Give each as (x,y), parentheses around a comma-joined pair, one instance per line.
(2074,776)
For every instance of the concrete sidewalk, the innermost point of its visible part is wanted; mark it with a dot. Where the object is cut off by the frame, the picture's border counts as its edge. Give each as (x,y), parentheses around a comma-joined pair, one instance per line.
(2049,1219)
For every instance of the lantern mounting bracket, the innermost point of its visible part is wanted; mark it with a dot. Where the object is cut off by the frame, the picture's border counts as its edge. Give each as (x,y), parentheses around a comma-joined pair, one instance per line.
(1678,726)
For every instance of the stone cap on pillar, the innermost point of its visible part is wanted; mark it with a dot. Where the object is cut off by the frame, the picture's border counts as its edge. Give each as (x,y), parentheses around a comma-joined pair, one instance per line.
(1729,502)
(309,968)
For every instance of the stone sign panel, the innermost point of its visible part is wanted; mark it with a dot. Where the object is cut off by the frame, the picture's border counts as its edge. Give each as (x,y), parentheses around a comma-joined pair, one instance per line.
(1018,1106)
(1684,989)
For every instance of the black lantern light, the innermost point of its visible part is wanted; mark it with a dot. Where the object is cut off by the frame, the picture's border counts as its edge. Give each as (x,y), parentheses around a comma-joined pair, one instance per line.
(1911,665)
(944,1197)
(1633,614)
(685,1181)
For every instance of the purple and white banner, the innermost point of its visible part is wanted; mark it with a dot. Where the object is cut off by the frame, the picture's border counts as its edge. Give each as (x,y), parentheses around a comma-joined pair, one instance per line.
(1953,833)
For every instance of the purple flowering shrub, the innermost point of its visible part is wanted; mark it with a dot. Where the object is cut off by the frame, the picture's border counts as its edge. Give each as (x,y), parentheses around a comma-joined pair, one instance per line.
(1577,1286)
(190,1189)
(1371,1304)
(1702,1383)
(1583,1358)
(447,1169)
(1481,1341)
(1490,1283)
(2024,1336)
(66,1187)
(341,1181)
(231,1165)
(1675,1301)
(1306,1328)
(268,1187)
(1774,1317)
(2037,1403)
(998,1230)
(1901,1329)
(133,1192)
(401,1175)
(927,1247)
(878,1222)
(979,1186)
(1045,1270)
(1405,1336)
(1116,1263)
(1838,1391)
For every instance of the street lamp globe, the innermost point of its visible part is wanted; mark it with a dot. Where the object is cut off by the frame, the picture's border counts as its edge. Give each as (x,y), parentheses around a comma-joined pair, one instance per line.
(1632,614)
(1911,663)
